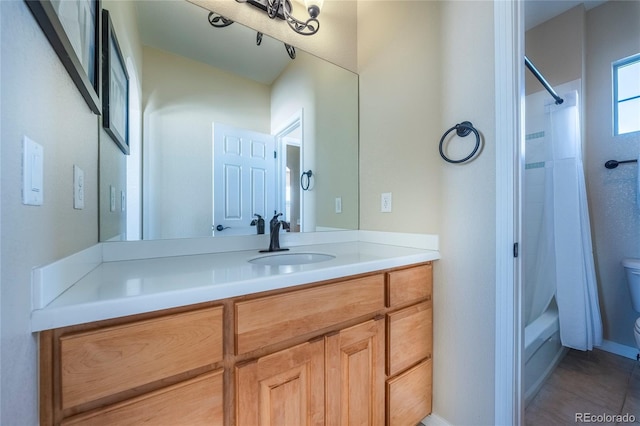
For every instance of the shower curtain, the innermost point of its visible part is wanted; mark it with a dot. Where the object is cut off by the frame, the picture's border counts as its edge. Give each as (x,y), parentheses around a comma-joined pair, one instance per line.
(564,264)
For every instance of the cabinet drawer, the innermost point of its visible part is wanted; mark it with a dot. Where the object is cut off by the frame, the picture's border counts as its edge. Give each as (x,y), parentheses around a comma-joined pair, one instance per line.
(409,395)
(198,401)
(410,336)
(103,362)
(410,285)
(273,319)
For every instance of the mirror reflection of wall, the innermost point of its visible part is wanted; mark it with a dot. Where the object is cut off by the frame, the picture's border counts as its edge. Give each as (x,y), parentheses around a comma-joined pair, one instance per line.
(183,94)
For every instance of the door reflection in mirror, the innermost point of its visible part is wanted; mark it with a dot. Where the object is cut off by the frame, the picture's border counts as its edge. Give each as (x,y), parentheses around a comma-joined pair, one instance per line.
(244,172)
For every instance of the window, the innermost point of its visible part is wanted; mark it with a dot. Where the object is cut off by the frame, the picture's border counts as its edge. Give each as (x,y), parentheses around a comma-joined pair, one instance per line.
(626,95)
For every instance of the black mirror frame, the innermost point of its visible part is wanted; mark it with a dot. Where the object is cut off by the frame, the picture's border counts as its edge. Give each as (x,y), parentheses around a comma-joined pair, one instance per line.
(113,57)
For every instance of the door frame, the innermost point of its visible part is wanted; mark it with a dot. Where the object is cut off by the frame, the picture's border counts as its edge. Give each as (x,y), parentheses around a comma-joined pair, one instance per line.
(295,121)
(509,87)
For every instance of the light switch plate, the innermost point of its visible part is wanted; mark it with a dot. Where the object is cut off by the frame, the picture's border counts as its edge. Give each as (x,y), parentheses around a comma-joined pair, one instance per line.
(78,188)
(123,201)
(338,204)
(112,198)
(32,173)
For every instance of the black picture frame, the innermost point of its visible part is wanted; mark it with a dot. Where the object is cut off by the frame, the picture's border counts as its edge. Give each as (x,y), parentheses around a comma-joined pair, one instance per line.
(115,87)
(80,52)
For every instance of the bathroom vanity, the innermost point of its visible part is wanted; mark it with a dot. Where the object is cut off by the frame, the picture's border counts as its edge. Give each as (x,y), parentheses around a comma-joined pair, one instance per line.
(344,350)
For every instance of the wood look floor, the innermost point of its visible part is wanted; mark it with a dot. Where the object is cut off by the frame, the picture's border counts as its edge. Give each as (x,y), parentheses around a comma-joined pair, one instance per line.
(594,382)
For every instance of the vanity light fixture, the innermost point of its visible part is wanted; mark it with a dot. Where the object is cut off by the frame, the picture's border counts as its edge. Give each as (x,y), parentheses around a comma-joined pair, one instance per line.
(282,9)
(219,21)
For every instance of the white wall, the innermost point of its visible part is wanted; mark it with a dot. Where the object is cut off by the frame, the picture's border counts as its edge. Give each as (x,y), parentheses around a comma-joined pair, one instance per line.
(421,72)
(39,100)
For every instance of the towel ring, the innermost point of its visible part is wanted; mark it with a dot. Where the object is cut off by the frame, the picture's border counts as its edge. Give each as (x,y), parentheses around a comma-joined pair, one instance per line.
(305,185)
(463,129)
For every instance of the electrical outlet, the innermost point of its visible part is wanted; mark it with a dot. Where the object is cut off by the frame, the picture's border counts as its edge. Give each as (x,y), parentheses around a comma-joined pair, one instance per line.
(385,202)
(78,188)
(338,204)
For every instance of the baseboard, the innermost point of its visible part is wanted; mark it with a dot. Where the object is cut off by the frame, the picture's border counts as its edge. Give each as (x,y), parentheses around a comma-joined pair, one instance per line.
(618,349)
(434,420)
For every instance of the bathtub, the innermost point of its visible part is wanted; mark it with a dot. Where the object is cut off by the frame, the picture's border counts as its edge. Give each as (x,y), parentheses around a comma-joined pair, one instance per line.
(542,351)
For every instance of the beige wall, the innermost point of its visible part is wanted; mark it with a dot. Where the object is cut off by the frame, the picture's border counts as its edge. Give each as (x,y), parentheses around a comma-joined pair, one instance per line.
(466,280)
(557,49)
(38,99)
(181,100)
(400,114)
(414,85)
(328,97)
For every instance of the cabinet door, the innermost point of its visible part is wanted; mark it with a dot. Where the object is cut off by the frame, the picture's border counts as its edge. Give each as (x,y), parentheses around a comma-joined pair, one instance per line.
(284,388)
(355,375)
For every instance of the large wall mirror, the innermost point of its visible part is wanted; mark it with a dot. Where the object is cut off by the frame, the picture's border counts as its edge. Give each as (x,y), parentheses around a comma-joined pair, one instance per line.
(230,127)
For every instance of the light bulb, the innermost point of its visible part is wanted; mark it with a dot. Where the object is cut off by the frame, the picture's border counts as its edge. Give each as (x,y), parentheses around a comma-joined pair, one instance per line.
(313,6)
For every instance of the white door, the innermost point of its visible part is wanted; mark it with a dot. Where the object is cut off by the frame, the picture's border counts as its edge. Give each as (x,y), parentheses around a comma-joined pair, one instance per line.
(244,179)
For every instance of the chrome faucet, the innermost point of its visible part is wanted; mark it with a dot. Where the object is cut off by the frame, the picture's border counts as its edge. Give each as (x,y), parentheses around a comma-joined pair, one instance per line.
(274,227)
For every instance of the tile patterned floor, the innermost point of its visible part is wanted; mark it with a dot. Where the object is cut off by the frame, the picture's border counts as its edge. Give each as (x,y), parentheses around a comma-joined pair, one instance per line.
(595,383)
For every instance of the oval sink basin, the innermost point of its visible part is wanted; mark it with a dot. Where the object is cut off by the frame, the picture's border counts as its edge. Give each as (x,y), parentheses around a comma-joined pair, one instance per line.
(291,259)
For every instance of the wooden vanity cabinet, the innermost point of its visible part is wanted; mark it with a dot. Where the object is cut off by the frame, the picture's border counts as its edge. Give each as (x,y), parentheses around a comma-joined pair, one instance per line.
(350,351)
(334,379)
(409,345)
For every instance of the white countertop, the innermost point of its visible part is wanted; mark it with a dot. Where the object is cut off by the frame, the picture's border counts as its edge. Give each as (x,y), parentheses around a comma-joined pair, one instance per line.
(125,287)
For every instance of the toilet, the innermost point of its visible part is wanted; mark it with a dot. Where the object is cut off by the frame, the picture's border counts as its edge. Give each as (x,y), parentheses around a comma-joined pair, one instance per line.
(632,269)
